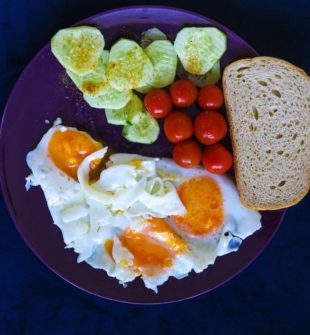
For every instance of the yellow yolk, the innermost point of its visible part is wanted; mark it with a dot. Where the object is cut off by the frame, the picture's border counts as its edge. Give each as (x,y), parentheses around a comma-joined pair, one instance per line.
(68,148)
(152,255)
(97,165)
(136,163)
(203,201)
(159,228)
(108,246)
(95,170)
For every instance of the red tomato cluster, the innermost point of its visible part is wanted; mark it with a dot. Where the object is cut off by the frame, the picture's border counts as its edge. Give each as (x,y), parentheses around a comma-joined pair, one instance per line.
(209,126)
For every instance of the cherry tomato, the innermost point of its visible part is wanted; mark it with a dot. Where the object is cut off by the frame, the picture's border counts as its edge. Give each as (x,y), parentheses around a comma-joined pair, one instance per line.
(210,127)
(178,127)
(217,159)
(210,97)
(183,93)
(187,153)
(158,103)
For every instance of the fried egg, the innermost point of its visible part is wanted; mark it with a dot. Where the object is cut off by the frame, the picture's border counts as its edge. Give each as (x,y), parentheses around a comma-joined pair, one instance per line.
(211,221)
(148,248)
(134,216)
(215,222)
(54,163)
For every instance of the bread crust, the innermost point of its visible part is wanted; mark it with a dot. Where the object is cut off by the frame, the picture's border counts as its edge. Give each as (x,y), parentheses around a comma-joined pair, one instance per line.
(245,202)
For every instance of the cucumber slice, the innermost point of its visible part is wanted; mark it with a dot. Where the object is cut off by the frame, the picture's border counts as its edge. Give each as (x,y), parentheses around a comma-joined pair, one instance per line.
(129,114)
(78,49)
(164,59)
(211,77)
(144,89)
(145,131)
(111,99)
(129,67)
(116,116)
(95,83)
(96,89)
(151,35)
(200,48)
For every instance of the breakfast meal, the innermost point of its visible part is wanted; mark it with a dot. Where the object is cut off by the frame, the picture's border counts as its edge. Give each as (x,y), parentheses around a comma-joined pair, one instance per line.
(157,217)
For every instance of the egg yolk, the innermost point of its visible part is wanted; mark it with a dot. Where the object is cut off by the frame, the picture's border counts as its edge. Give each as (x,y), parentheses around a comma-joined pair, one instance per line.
(203,201)
(97,165)
(68,148)
(136,163)
(154,247)
(158,227)
(108,246)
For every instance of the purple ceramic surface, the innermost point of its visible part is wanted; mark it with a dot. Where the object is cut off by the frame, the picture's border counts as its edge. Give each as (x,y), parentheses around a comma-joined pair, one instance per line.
(43,92)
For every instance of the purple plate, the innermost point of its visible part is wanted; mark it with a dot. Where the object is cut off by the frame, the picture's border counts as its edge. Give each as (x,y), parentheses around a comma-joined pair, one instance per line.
(43,92)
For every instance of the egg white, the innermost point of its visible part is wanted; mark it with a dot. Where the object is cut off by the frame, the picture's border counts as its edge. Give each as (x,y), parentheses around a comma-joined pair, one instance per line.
(63,194)
(135,191)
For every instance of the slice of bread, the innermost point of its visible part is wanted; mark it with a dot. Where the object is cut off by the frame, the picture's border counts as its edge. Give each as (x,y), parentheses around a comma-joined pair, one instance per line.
(268,107)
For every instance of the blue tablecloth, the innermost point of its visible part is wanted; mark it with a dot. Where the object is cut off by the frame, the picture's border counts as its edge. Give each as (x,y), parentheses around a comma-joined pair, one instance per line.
(270,297)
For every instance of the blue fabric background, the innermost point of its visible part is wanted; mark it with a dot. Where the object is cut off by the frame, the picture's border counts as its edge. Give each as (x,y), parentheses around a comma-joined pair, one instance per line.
(270,297)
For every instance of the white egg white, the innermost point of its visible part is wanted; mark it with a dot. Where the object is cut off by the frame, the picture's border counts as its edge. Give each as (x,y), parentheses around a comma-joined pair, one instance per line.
(64,196)
(133,190)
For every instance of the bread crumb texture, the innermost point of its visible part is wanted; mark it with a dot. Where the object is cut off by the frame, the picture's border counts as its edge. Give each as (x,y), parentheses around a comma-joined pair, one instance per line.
(268,107)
